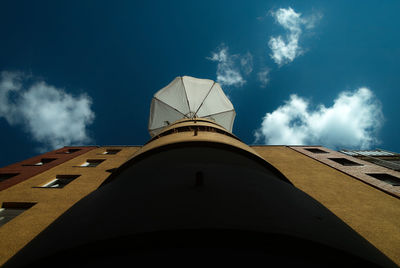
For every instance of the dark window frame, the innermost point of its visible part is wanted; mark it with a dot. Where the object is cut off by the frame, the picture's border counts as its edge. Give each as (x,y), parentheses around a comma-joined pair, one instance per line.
(92,163)
(11,210)
(111,151)
(345,162)
(385,177)
(69,151)
(8,175)
(59,182)
(42,162)
(316,151)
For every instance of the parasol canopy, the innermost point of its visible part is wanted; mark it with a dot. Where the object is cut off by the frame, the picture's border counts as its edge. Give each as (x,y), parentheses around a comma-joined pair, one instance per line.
(189,97)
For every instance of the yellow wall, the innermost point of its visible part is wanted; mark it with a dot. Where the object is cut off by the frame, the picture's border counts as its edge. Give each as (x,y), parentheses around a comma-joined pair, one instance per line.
(52,202)
(372,213)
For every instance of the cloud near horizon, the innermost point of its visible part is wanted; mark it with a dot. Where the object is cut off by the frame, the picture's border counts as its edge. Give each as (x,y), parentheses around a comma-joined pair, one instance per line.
(231,68)
(51,116)
(286,49)
(351,122)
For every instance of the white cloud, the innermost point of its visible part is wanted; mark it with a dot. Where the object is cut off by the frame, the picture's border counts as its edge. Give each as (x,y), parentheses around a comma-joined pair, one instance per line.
(263,77)
(9,83)
(351,122)
(310,21)
(53,117)
(289,19)
(246,62)
(230,66)
(286,49)
(284,52)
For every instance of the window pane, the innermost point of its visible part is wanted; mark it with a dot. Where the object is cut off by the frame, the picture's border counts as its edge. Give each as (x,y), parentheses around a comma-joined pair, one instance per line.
(6,176)
(395,181)
(60,181)
(11,210)
(92,162)
(316,151)
(345,162)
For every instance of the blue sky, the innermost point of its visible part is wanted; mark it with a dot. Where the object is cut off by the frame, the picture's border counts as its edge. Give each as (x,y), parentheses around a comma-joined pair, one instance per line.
(310,72)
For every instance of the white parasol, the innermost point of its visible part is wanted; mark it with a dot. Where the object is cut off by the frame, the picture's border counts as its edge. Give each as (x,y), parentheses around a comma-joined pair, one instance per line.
(189,97)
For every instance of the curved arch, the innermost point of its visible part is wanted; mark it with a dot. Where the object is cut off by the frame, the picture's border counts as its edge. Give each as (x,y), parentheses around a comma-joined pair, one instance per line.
(156,150)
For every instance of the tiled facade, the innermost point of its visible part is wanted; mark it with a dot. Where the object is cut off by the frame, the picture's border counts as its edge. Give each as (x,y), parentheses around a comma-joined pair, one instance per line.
(27,168)
(360,172)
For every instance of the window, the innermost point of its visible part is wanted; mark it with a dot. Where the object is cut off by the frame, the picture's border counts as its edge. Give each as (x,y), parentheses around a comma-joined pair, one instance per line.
(392,180)
(112,151)
(42,162)
(60,181)
(10,210)
(6,176)
(92,162)
(315,151)
(345,162)
(69,151)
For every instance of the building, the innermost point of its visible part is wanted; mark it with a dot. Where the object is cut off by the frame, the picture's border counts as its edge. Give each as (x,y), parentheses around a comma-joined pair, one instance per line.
(379,157)
(195,190)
